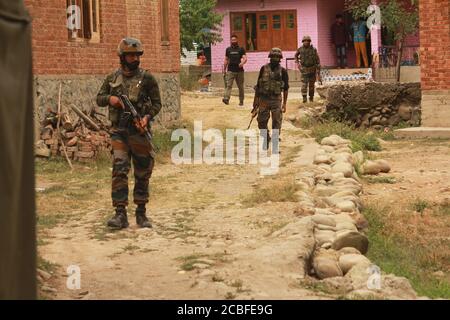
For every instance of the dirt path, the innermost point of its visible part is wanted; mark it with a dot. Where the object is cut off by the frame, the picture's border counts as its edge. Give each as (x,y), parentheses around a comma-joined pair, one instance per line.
(207,242)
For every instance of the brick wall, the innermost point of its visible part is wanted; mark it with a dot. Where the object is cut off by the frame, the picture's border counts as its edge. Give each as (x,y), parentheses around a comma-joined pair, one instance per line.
(435,44)
(54,54)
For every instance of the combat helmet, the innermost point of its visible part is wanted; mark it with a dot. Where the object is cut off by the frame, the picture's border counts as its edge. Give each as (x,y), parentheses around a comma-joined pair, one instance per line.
(276,52)
(130,45)
(306,38)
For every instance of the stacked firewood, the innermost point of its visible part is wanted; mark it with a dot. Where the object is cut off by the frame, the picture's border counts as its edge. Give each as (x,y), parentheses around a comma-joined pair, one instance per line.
(81,140)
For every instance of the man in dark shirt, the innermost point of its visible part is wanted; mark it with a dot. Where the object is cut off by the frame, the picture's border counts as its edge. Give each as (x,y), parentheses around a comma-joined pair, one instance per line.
(272,91)
(235,59)
(339,37)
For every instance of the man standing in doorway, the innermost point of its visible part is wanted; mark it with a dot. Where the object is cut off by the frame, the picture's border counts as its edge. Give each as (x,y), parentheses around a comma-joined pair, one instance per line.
(359,33)
(339,38)
(235,59)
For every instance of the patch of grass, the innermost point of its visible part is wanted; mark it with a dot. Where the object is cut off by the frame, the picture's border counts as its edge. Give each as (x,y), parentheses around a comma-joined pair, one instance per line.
(275,191)
(374,180)
(277,226)
(419,205)
(315,285)
(361,139)
(130,248)
(239,285)
(46,265)
(103,160)
(54,165)
(54,189)
(189,261)
(289,155)
(51,220)
(443,209)
(99,232)
(162,140)
(394,253)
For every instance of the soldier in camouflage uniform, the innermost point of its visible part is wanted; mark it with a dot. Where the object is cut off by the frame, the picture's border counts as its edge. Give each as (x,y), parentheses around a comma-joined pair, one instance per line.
(309,64)
(273,81)
(127,143)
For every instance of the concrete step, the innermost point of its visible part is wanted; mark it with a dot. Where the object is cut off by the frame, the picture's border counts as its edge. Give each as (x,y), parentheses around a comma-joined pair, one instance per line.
(423,133)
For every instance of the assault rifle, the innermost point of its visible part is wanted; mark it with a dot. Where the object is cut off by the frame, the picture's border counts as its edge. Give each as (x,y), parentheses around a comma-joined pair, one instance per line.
(255,106)
(137,121)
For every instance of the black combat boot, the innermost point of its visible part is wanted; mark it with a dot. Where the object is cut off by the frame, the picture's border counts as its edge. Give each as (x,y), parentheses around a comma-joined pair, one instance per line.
(120,220)
(141,219)
(305,99)
(311,99)
(266,142)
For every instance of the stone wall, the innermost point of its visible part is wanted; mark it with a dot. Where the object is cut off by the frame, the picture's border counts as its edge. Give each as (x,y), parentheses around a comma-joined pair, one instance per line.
(82,91)
(371,104)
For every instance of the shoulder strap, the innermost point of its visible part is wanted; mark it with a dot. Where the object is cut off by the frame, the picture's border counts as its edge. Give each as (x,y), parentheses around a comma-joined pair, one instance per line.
(117,74)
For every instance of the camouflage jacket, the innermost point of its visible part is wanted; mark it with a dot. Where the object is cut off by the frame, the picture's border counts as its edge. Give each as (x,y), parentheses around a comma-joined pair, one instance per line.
(308,58)
(141,88)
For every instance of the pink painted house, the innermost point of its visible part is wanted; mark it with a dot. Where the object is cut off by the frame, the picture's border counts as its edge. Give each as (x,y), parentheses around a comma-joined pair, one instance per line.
(263,24)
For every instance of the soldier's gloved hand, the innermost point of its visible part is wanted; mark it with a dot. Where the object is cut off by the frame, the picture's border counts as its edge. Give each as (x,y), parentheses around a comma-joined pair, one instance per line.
(115,102)
(144,121)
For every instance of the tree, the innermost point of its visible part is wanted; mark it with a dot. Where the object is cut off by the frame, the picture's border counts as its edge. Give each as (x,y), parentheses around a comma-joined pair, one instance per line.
(199,23)
(400,17)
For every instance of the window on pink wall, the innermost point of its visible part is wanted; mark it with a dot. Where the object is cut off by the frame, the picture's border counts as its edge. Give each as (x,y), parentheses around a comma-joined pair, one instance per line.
(263,30)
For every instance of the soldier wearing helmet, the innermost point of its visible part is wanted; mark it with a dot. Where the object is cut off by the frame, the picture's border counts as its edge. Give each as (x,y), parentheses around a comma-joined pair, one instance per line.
(127,143)
(308,61)
(272,92)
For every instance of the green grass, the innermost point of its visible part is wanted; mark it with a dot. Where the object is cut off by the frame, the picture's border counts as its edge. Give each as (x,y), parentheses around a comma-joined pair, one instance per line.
(374,180)
(276,191)
(419,205)
(402,257)
(361,139)
(51,220)
(46,265)
(188,262)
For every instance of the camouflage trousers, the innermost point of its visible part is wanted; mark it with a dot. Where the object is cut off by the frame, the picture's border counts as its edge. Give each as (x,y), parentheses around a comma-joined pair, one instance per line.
(127,148)
(268,107)
(308,81)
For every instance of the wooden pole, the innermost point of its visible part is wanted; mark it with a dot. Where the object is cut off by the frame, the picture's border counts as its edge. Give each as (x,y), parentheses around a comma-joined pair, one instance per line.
(57,128)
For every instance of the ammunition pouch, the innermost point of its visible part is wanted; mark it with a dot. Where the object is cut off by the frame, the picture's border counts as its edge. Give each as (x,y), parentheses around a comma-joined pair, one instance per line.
(308,70)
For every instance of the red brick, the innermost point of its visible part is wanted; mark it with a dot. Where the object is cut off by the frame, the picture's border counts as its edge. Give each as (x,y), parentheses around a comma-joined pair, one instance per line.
(118,18)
